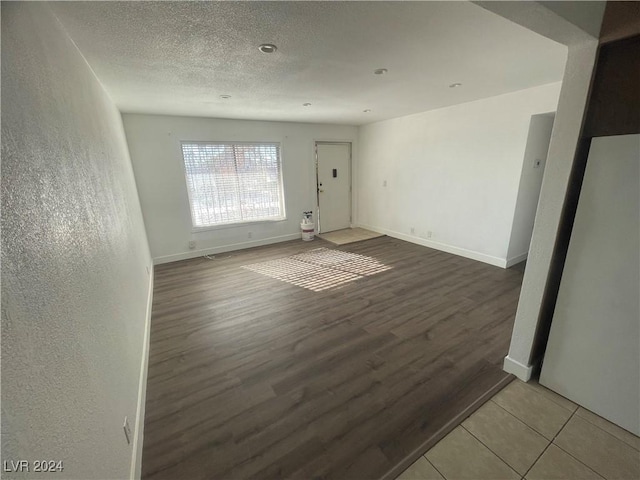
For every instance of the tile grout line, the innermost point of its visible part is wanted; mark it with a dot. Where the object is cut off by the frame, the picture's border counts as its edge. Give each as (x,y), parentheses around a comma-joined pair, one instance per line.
(557,446)
(551,397)
(577,459)
(574,412)
(548,397)
(424,455)
(522,421)
(541,395)
(498,456)
(498,384)
(550,442)
(603,430)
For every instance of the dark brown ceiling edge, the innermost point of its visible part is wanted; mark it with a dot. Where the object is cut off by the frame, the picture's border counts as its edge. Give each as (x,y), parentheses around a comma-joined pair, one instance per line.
(621,20)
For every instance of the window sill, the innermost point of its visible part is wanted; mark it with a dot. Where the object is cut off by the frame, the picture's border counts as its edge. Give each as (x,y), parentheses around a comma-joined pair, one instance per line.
(235,225)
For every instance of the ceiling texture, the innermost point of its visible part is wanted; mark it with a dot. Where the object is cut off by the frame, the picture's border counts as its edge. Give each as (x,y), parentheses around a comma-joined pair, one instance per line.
(178,58)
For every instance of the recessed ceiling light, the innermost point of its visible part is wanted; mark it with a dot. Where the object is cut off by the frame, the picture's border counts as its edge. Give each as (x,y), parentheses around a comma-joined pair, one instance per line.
(225,97)
(306,104)
(455,85)
(380,71)
(368,110)
(267,48)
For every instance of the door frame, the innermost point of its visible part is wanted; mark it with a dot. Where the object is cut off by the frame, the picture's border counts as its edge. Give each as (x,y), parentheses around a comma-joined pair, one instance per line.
(318,211)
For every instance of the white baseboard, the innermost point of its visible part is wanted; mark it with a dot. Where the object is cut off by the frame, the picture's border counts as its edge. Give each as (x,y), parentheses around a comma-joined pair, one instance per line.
(138,435)
(523,372)
(463,252)
(517,259)
(224,248)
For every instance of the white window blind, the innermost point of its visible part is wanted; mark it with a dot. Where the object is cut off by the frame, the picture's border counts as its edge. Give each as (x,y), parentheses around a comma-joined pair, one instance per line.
(233,182)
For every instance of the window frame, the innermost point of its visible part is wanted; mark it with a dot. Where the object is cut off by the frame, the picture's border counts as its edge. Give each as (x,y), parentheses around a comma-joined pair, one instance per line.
(196,229)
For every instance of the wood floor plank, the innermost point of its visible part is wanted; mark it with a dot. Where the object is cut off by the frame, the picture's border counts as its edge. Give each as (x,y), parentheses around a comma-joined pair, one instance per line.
(252,377)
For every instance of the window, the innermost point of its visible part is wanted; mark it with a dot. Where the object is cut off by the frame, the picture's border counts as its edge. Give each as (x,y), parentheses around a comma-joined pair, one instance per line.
(233,182)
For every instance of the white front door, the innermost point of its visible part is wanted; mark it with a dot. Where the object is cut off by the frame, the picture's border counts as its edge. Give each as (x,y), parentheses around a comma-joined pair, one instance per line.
(334,186)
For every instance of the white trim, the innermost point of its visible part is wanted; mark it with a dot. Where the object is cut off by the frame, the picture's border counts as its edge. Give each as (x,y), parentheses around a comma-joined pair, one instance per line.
(517,259)
(219,226)
(523,372)
(136,459)
(224,248)
(463,252)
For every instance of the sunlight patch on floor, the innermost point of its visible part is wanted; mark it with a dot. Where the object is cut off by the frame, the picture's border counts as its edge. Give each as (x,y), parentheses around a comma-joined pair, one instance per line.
(320,269)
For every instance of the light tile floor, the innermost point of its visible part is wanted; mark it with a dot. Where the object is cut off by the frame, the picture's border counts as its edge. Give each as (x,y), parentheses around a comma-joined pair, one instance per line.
(529,432)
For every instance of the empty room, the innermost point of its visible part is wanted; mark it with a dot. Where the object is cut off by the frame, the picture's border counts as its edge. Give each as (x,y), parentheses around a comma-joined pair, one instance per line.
(320,240)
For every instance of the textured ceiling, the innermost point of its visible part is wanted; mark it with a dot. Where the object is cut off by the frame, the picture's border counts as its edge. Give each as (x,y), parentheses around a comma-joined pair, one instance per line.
(179,57)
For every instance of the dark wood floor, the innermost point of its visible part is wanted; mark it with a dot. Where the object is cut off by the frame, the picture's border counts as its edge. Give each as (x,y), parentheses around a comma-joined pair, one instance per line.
(251,377)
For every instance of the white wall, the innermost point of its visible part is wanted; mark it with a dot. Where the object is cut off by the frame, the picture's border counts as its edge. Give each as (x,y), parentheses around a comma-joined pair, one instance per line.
(535,158)
(75,286)
(453,172)
(154,143)
(593,353)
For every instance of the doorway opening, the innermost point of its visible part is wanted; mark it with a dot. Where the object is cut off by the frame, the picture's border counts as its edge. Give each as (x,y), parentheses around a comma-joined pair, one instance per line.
(535,159)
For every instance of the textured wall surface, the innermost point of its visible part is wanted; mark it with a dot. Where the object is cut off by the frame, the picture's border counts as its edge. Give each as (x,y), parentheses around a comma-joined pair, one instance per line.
(74,257)
(154,142)
(453,172)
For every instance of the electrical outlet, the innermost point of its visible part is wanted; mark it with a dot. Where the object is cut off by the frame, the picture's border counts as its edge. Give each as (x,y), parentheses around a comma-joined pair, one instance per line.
(192,244)
(384,183)
(413,231)
(429,233)
(250,235)
(127,430)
